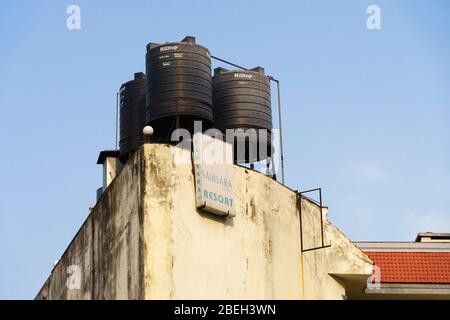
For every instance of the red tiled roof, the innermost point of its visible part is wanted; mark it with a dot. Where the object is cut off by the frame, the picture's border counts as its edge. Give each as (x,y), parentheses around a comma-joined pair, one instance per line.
(412,267)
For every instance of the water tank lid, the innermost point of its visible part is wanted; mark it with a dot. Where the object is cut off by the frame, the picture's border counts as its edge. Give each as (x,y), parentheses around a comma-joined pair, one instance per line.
(220,70)
(189,39)
(139,76)
(152,45)
(107,154)
(258,69)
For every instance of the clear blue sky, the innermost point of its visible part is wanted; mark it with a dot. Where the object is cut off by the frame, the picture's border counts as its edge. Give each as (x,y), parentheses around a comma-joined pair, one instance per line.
(366,113)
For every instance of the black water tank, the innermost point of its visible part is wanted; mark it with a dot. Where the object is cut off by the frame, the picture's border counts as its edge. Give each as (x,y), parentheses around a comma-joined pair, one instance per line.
(132,115)
(178,84)
(242,101)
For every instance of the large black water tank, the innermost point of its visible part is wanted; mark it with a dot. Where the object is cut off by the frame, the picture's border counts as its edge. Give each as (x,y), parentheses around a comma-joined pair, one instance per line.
(178,84)
(132,115)
(242,101)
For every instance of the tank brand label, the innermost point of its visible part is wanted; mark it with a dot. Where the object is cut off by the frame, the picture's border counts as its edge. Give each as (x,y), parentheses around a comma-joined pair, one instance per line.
(165,64)
(168,48)
(243,75)
(178,55)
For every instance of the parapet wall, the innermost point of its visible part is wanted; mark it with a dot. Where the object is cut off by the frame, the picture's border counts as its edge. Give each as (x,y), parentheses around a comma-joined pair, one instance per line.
(145,239)
(104,260)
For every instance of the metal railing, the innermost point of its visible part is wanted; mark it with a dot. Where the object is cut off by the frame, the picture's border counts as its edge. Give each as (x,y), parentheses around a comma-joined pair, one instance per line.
(318,203)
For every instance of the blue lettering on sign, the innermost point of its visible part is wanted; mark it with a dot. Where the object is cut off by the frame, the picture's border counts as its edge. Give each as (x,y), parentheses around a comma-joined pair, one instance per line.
(218,198)
(215,178)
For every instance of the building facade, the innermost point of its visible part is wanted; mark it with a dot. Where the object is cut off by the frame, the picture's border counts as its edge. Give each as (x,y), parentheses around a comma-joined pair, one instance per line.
(146,239)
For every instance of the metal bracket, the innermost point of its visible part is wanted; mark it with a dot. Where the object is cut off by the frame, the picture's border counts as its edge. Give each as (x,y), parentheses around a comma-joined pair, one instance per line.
(299,206)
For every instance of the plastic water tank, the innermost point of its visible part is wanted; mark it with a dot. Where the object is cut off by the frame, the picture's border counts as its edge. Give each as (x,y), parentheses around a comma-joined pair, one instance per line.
(241,102)
(132,115)
(179,86)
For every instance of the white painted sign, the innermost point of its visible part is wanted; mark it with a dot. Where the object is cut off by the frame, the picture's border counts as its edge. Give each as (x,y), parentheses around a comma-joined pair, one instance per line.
(213,167)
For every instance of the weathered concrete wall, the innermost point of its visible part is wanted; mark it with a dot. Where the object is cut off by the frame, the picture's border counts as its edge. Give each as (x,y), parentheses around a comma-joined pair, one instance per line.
(194,255)
(107,248)
(146,239)
(329,273)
